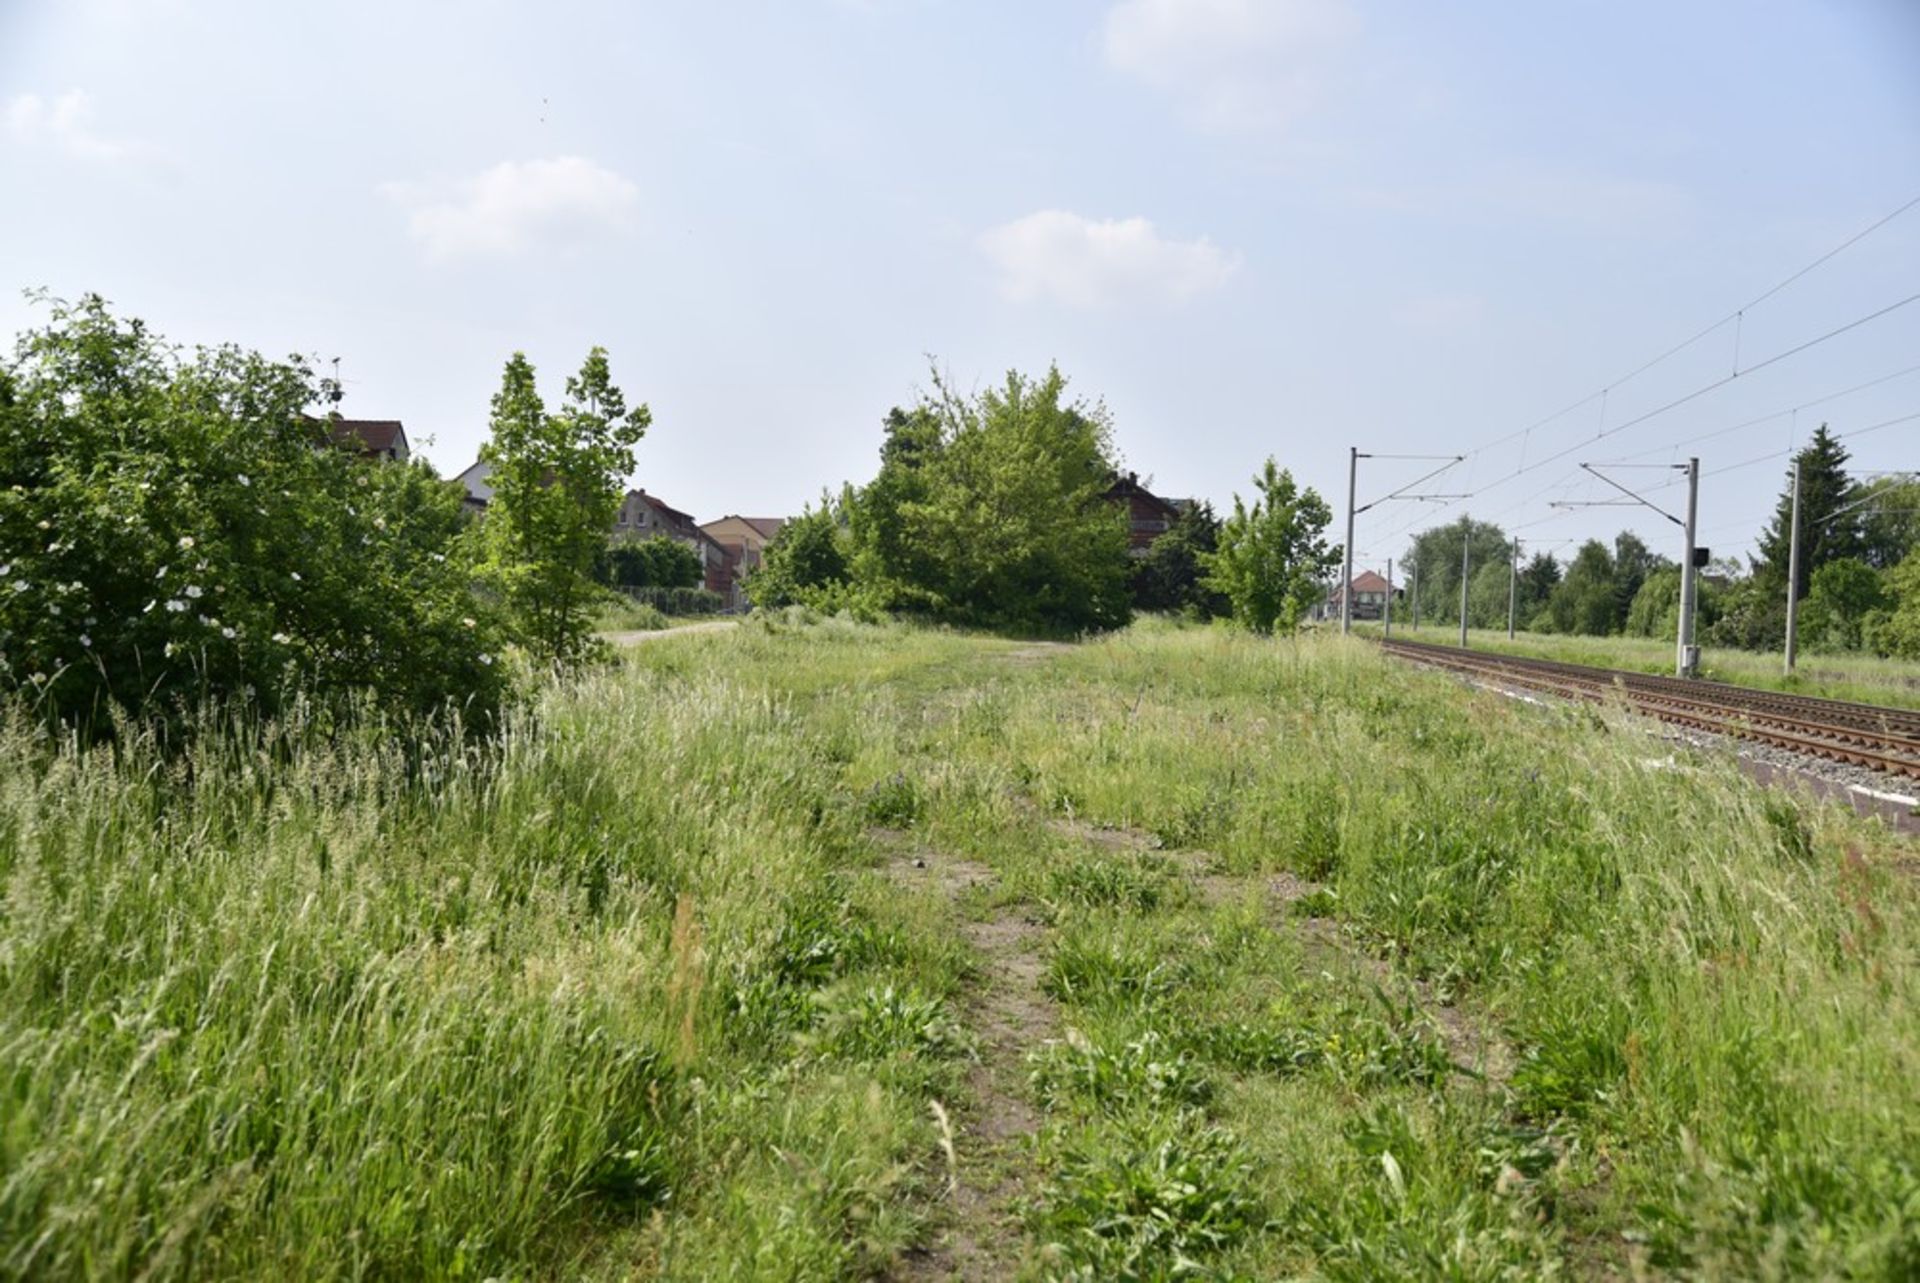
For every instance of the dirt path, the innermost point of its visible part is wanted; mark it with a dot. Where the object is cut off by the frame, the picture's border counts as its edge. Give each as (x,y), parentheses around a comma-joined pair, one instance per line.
(981,1237)
(655,634)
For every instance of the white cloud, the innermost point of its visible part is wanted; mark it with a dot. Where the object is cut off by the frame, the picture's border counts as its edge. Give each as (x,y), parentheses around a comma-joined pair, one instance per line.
(1232,64)
(515,206)
(60,123)
(1062,257)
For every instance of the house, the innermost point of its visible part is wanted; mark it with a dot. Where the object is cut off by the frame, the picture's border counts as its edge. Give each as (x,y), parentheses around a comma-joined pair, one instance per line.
(1148,515)
(745,539)
(475,479)
(643,516)
(1369,598)
(381,440)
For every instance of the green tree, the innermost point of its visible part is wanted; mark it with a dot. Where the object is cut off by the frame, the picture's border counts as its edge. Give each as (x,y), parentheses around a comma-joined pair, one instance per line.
(1889,520)
(556,487)
(1826,534)
(1584,600)
(654,562)
(1273,558)
(989,512)
(175,529)
(1538,578)
(1436,553)
(805,564)
(1844,594)
(1172,576)
(1896,631)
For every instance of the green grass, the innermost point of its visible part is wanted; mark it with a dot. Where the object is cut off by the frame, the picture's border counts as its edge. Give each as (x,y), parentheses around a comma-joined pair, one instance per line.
(634,994)
(1862,678)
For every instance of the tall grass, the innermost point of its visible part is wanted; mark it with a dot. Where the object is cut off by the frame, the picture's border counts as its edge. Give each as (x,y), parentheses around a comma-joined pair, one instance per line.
(626,992)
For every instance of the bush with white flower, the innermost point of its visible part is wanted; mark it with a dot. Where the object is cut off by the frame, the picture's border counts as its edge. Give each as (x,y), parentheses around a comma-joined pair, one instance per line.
(175,527)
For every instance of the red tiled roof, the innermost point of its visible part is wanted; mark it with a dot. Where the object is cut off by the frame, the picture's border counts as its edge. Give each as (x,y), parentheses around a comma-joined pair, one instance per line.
(1367,581)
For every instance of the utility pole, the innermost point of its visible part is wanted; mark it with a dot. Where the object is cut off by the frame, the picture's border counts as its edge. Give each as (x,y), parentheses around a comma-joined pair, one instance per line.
(1689,660)
(1387,618)
(1415,590)
(1353,475)
(1793,573)
(1346,581)
(1466,547)
(1513,586)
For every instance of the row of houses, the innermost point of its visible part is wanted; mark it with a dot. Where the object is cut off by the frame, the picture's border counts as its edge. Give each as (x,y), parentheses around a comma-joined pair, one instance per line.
(731,547)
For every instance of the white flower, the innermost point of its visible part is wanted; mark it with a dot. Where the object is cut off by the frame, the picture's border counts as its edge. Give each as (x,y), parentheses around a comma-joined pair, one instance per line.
(194,591)
(186,541)
(176,605)
(438,556)
(54,546)
(468,621)
(19,585)
(281,639)
(486,659)
(52,609)
(227,633)
(379,523)
(296,576)
(86,640)
(242,479)
(163,572)
(6,568)
(45,525)
(39,679)
(148,608)
(170,649)
(208,622)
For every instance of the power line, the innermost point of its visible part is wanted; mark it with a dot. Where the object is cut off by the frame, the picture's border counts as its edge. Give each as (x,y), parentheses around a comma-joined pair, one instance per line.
(1686,343)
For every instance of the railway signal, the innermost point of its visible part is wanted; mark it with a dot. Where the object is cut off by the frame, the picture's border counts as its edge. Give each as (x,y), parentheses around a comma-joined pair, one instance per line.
(1687,658)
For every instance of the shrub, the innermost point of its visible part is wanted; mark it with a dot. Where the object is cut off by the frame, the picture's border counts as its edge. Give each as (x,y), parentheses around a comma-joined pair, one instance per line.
(175,529)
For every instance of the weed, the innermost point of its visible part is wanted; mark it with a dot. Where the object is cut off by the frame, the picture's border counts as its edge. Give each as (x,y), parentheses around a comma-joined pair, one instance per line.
(1145,1073)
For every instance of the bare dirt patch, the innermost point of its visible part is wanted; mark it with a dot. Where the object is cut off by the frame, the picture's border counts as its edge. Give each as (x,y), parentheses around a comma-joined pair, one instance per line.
(1011,1015)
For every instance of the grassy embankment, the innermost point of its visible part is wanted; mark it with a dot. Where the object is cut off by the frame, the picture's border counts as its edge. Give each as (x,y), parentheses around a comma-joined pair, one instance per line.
(1864,678)
(779,952)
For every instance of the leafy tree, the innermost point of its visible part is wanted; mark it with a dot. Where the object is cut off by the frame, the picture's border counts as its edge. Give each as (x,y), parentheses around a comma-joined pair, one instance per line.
(1896,632)
(1538,578)
(1633,561)
(654,562)
(556,487)
(1436,552)
(1843,596)
(989,512)
(1273,558)
(1172,575)
(175,528)
(805,564)
(1825,534)
(1584,600)
(1889,520)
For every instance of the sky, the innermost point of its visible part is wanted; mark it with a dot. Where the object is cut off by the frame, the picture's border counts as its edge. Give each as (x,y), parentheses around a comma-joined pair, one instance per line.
(1246,227)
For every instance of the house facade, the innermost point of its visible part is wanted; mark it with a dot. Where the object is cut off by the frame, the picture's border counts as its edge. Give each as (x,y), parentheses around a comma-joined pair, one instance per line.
(1148,515)
(1370,593)
(745,539)
(642,516)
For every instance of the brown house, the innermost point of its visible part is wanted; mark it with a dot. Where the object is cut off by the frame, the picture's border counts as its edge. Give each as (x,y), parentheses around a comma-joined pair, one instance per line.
(1369,598)
(1148,515)
(384,440)
(745,539)
(642,516)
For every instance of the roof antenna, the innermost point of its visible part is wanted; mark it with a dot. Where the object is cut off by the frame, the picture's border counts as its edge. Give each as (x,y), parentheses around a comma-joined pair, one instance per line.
(338,392)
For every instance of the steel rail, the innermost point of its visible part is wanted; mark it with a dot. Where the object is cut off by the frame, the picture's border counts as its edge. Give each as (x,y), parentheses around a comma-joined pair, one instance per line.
(1884,739)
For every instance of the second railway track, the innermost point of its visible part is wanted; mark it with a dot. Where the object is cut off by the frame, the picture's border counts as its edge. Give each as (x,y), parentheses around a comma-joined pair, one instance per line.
(1882,739)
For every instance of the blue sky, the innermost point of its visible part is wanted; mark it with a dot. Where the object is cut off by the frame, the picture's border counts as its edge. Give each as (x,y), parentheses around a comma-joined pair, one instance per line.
(1248,227)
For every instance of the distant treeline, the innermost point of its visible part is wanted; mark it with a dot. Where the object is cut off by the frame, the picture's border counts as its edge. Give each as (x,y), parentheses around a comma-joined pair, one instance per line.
(1859,576)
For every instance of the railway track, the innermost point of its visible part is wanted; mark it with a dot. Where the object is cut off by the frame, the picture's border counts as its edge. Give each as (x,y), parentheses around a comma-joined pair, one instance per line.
(1883,739)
